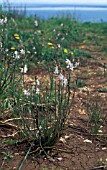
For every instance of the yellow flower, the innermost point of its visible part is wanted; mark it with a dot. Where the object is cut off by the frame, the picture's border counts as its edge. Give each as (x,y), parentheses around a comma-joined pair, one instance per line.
(65,51)
(18,38)
(12,48)
(52,46)
(16,35)
(20,68)
(49,43)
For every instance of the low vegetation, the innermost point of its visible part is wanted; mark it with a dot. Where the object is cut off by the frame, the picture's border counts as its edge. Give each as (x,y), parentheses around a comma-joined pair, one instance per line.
(41,71)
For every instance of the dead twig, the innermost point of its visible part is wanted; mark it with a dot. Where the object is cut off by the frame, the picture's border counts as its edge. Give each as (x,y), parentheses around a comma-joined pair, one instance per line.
(19,118)
(99,167)
(12,135)
(9,125)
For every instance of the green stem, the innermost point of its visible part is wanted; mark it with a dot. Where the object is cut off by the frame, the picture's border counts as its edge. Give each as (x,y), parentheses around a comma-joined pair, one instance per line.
(22,162)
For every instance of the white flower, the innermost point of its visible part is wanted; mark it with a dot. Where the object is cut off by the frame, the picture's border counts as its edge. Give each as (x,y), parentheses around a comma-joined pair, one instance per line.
(36,23)
(33,88)
(26,92)
(54,30)
(58,34)
(56,70)
(58,45)
(37,91)
(1,45)
(38,82)
(22,51)
(40,127)
(77,64)
(7,50)
(62,38)
(24,70)
(69,64)
(16,55)
(3,21)
(60,77)
(62,24)
(63,80)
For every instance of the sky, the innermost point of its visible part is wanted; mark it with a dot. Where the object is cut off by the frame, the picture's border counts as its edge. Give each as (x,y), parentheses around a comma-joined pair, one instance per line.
(58,1)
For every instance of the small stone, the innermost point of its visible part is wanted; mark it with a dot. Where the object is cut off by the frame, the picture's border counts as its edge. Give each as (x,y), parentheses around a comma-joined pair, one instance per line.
(104,148)
(16,154)
(59,159)
(88,141)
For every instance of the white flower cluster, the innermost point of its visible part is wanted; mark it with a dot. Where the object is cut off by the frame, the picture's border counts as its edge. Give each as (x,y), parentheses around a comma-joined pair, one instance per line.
(36,90)
(56,70)
(77,64)
(22,51)
(3,21)
(70,65)
(58,45)
(24,70)
(36,23)
(26,92)
(61,77)
(63,80)
(16,56)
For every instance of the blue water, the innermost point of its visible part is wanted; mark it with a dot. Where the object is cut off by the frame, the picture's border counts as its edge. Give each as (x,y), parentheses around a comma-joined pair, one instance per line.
(84,13)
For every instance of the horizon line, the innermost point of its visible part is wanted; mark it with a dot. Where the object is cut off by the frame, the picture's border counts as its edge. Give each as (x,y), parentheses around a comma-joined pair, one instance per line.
(82,3)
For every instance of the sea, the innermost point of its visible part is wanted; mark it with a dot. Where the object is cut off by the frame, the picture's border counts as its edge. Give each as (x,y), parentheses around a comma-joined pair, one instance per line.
(83,13)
